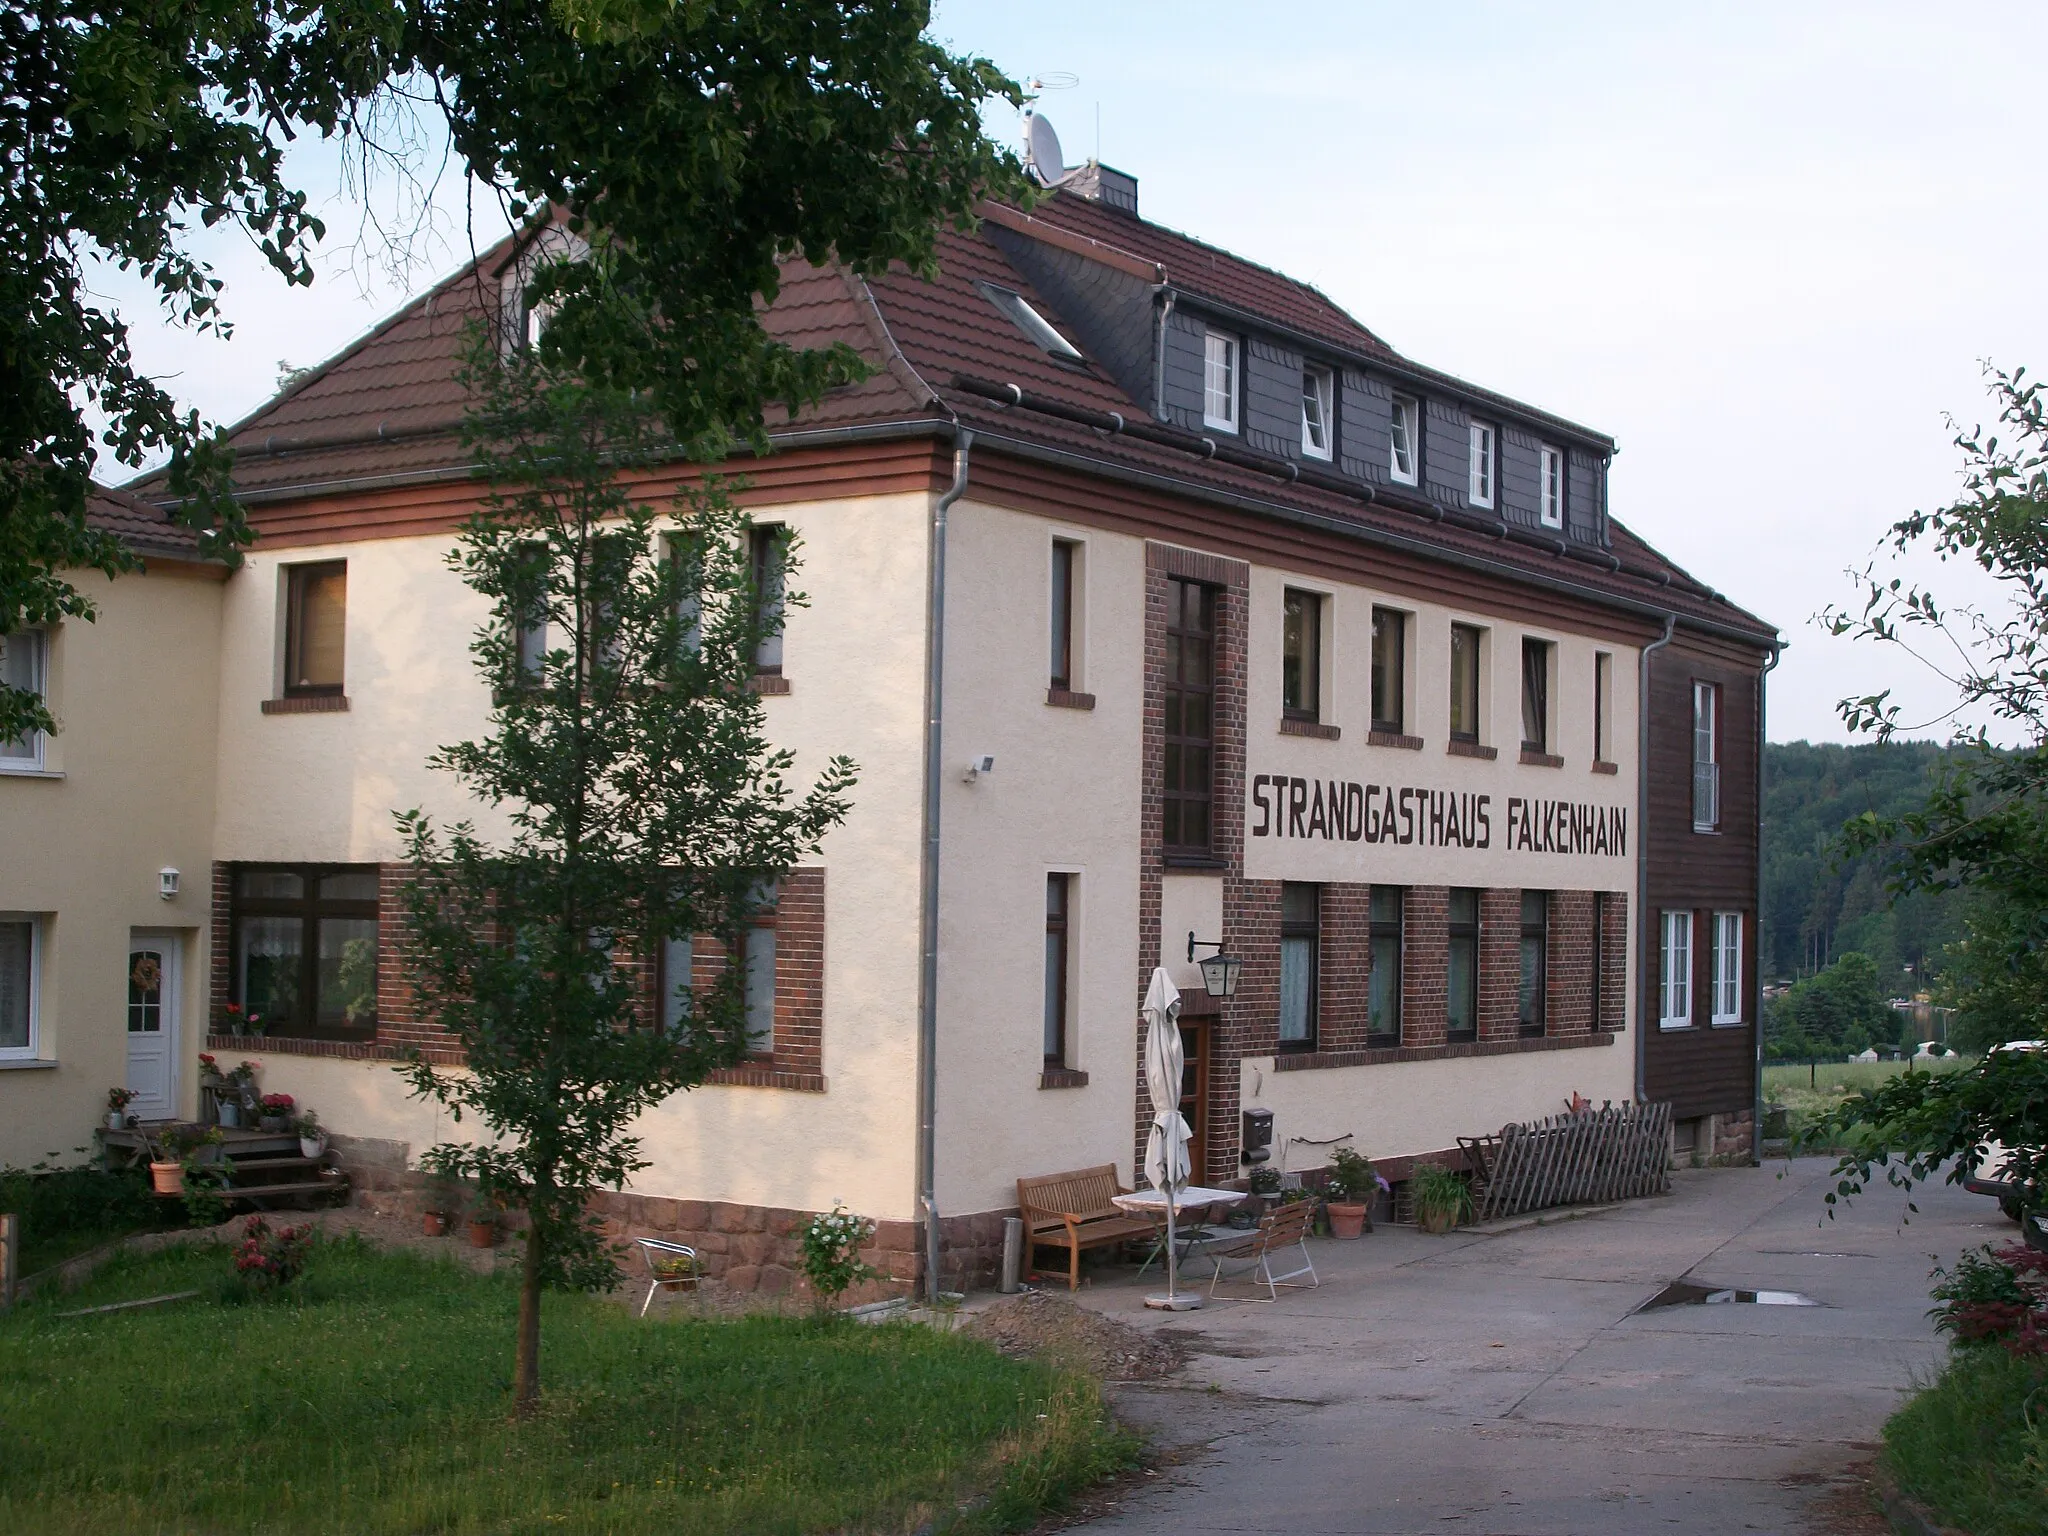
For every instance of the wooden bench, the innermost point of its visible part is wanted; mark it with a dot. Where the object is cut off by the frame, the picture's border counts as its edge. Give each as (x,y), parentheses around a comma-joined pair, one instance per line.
(1073,1211)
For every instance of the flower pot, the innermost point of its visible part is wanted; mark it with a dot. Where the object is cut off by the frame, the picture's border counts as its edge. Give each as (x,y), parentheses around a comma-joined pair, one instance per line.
(272,1125)
(312,1146)
(483,1234)
(1346,1220)
(1436,1221)
(434,1223)
(230,1114)
(116,1120)
(167,1178)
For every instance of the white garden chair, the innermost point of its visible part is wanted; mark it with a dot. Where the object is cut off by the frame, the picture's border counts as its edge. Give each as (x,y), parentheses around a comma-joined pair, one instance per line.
(1285,1228)
(670,1266)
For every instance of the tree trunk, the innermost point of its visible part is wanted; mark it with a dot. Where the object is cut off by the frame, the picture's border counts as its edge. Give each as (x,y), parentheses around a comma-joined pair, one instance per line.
(526,1366)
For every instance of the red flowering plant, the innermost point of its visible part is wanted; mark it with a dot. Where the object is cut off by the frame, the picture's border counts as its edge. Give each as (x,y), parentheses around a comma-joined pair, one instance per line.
(271,1258)
(277,1103)
(1995,1296)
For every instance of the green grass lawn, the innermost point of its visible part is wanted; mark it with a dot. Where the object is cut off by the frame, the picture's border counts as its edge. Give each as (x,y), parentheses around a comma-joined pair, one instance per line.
(1974,1445)
(376,1402)
(1808,1091)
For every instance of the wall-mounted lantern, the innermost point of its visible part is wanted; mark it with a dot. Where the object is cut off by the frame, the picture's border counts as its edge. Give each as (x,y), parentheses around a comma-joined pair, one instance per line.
(1219,971)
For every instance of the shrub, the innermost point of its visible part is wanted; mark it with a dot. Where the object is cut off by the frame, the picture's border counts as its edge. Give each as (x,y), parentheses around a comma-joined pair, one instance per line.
(65,1208)
(1441,1198)
(1995,1295)
(1352,1179)
(832,1244)
(271,1258)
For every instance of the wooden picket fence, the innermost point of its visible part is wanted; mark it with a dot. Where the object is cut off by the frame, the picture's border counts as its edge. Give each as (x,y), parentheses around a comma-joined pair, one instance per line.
(1615,1152)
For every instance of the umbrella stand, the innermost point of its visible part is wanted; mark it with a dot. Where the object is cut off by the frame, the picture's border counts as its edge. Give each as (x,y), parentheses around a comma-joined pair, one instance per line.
(1175,1300)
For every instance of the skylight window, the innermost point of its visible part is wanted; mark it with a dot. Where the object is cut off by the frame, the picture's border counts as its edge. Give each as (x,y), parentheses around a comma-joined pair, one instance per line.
(1031,323)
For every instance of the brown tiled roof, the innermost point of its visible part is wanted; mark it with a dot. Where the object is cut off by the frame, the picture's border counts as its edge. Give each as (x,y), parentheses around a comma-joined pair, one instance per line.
(385,409)
(144,528)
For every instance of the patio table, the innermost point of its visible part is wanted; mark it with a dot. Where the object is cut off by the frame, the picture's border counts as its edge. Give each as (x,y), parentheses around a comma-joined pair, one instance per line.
(1194,1197)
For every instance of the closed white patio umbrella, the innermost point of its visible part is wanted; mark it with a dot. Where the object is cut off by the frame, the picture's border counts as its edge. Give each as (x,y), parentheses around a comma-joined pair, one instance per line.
(1166,1147)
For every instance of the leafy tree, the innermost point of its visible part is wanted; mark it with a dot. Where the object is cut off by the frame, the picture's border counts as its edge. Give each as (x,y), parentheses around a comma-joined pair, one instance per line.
(1840,1009)
(628,756)
(697,144)
(1984,825)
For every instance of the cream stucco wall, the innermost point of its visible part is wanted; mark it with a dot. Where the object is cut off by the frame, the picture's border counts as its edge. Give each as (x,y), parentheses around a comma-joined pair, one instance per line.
(127,790)
(324,786)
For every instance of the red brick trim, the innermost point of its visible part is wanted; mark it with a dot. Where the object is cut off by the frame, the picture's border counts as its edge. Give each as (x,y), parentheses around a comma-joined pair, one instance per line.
(342,1050)
(1343,969)
(1500,963)
(1613,940)
(1193,565)
(768,682)
(1061,698)
(1317,1061)
(1393,739)
(1310,728)
(1606,767)
(1458,748)
(766,1075)
(1062,1077)
(308,704)
(1531,759)
(1425,967)
(1568,964)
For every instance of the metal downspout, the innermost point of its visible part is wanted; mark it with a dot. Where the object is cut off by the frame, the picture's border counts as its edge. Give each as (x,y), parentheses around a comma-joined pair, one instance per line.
(928,901)
(1756,993)
(1165,313)
(1644,1023)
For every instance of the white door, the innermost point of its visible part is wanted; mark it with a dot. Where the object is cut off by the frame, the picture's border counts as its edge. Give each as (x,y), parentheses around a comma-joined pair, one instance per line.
(153,1024)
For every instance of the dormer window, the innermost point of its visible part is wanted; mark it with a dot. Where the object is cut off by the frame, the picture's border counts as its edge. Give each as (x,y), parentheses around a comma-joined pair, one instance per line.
(522,321)
(1031,323)
(1318,396)
(1219,382)
(1481,491)
(1405,421)
(1550,486)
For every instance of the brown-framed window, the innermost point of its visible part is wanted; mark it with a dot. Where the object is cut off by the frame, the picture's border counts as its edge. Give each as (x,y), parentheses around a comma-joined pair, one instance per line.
(1603,687)
(316,616)
(1461,985)
(1599,966)
(676,981)
(1301,933)
(1190,699)
(1058,891)
(1301,655)
(1065,557)
(759,958)
(304,948)
(767,545)
(1466,644)
(1535,961)
(1535,695)
(1383,1017)
(1389,670)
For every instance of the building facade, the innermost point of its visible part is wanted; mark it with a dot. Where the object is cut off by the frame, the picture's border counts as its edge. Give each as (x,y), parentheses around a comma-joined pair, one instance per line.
(1278,641)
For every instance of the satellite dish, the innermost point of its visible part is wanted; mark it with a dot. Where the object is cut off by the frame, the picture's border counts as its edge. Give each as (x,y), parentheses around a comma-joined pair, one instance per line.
(1042,150)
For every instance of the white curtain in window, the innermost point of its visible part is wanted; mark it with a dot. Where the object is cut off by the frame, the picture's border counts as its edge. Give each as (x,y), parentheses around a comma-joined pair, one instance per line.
(760,988)
(1676,970)
(21,667)
(17,963)
(1297,986)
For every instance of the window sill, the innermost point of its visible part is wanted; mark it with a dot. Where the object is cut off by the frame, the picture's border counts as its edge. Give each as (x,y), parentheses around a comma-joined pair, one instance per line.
(1062,1077)
(1605,767)
(1062,698)
(28,1064)
(768,682)
(337,1050)
(1705,831)
(1729,1024)
(761,1075)
(1533,759)
(1674,1027)
(1314,729)
(31,773)
(1471,749)
(1462,1050)
(1196,863)
(308,704)
(1379,738)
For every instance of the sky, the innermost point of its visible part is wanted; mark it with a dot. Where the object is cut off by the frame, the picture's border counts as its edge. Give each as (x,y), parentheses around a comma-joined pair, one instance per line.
(1766,247)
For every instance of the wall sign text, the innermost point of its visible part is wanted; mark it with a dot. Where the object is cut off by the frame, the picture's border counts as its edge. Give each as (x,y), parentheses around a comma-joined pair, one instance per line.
(1340,811)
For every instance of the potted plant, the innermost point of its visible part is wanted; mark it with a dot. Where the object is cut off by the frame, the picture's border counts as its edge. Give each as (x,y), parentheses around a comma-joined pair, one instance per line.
(240,1022)
(483,1222)
(1264,1182)
(1440,1197)
(444,1196)
(177,1147)
(678,1271)
(238,1084)
(1350,1188)
(312,1139)
(118,1100)
(274,1112)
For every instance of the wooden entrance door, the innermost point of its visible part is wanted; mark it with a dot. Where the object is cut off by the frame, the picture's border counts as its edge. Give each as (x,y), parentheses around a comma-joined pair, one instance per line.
(1194,1094)
(153,1024)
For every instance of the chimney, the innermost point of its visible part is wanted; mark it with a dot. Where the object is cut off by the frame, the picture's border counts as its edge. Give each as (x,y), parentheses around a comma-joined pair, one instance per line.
(1100,184)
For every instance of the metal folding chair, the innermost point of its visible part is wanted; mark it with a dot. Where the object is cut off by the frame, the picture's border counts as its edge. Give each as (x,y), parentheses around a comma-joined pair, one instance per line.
(659,1252)
(1285,1228)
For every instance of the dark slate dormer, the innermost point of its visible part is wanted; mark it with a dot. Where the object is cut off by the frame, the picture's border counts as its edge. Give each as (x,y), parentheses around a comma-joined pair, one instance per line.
(1272,398)
(1365,441)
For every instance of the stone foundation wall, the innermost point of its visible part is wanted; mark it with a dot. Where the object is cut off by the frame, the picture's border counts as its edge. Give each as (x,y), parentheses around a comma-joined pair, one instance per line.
(1731,1138)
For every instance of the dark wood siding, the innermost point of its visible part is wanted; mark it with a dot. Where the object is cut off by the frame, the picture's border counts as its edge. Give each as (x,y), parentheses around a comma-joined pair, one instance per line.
(1702,1070)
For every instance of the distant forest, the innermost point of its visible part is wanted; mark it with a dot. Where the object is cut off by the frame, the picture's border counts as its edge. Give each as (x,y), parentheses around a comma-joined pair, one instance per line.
(1817,907)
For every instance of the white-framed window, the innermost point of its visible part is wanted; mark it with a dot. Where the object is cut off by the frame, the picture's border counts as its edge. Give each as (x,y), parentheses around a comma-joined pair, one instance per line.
(20,981)
(1482,464)
(1550,488)
(1318,419)
(24,658)
(1706,756)
(1674,971)
(1727,968)
(1219,382)
(1405,421)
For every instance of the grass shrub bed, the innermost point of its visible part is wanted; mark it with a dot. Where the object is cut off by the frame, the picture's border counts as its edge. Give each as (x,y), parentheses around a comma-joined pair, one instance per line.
(1973,1447)
(1808,1092)
(373,1398)
(68,1211)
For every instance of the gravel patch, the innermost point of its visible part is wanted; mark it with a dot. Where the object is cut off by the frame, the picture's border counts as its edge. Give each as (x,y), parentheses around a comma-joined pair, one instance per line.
(1052,1328)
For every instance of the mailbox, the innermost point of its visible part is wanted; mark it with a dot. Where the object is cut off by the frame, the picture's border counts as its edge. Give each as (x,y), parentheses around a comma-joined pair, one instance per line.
(1258,1136)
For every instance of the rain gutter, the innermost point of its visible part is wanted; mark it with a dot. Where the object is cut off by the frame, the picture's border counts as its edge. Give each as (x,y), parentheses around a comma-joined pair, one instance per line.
(1644,1023)
(928,913)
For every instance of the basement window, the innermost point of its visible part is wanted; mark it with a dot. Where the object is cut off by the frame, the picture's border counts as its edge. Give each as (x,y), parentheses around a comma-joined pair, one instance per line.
(1031,323)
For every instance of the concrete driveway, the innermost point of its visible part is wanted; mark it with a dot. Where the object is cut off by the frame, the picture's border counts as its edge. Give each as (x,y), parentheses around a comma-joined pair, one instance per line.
(1506,1384)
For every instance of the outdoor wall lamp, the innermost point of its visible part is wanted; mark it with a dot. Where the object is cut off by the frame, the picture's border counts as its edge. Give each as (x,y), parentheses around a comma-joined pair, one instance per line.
(1219,971)
(167,882)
